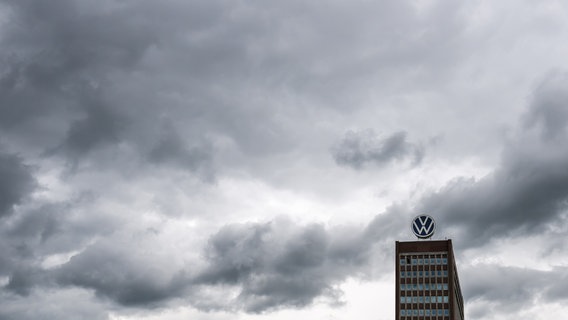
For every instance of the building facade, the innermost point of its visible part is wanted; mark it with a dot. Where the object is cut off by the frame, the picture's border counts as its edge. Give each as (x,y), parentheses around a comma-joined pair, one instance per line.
(427,283)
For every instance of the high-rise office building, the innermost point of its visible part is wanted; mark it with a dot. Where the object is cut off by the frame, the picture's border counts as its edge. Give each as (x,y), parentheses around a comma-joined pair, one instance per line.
(427,283)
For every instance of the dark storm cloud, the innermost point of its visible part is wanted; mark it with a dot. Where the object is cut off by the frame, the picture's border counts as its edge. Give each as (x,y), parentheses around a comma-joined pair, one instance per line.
(516,287)
(52,50)
(279,264)
(16,181)
(357,149)
(273,265)
(511,288)
(529,189)
(171,148)
(124,277)
(66,84)
(99,127)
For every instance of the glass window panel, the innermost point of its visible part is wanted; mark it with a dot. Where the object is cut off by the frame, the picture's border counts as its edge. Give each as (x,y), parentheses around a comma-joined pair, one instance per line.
(427,299)
(420,312)
(446,299)
(439,312)
(420,299)
(427,312)
(445,286)
(419,261)
(420,286)
(446,312)
(402,262)
(438,261)
(444,260)
(439,299)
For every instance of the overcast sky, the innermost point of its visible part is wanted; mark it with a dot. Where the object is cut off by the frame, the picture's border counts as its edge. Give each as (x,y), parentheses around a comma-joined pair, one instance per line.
(257,160)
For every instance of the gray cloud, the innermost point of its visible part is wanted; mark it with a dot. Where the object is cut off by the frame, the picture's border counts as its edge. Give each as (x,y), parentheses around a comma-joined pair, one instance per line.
(49,304)
(171,148)
(272,265)
(16,182)
(511,288)
(277,264)
(252,90)
(357,149)
(117,274)
(527,191)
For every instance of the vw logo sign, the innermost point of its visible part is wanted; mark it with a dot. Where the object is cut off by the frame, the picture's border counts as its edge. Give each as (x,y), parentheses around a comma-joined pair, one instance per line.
(423,226)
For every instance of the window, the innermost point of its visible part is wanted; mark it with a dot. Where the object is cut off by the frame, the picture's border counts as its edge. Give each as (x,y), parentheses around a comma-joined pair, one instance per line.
(402,262)
(427,299)
(414,312)
(420,261)
(445,273)
(439,299)
(427,312)
(445,286)
(420,312)
(439,273)
(414,273)
(420,286)
(414,299)
(414,286)
(426,273)
(413,262)
(439,286)
(420,273)
(402,312)
(420,299)
(402,299)
(427,286)
(446,299)
(432,261)
(446,312)
(402,274)
(439,312)
(438,261)
(444,260)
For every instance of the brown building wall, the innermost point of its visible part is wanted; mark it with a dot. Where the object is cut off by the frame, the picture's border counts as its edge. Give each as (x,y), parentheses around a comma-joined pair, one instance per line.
(427,273)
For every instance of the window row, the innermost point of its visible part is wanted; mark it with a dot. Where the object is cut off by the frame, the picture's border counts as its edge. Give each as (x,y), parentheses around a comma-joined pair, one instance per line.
(411,274)
(424,286)
(425,299)
(424,261)
(427,312)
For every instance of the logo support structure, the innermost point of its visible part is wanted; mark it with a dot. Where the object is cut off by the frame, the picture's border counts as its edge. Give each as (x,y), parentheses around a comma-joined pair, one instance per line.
(423,226)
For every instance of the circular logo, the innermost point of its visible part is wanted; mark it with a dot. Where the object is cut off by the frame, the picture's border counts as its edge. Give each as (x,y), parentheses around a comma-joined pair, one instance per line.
(423,226)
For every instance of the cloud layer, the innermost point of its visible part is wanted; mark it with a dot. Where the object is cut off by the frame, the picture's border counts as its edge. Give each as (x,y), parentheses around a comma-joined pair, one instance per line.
(193,154)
